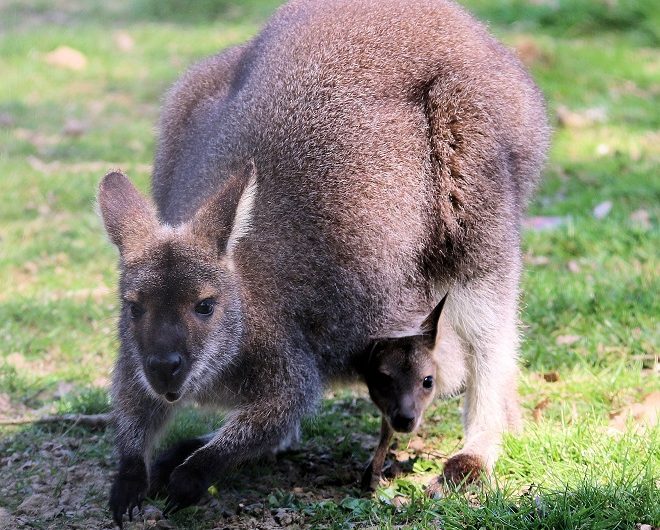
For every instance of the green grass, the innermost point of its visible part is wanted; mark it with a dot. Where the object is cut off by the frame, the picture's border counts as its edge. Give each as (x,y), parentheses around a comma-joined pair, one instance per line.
(593,279)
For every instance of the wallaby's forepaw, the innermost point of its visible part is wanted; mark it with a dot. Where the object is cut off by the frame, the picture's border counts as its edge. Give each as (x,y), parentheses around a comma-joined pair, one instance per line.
(167,462)
(186,487)
(128,490)
(370,480)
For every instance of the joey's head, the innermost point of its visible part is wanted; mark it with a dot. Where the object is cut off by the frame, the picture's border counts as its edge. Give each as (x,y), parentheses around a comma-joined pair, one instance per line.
(180,319)
(401,374)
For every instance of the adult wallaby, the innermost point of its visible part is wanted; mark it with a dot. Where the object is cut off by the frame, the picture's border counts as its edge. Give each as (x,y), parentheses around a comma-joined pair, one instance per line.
(316,189)
(401,376)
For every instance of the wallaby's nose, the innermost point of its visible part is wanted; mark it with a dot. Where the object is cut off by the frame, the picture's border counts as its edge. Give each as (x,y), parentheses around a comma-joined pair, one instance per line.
(165,370)
(403,422)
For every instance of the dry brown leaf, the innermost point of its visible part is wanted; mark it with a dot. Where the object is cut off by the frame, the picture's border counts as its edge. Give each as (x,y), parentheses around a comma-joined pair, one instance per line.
(124,41)
(567,340)
(416,444)
(74,128)
(537,412)
(530,53)
(579,119)
(66,57)
(573,266)
(551,377)
(641,218)
(536,260)
(644,413)
(541,223)
(402,456)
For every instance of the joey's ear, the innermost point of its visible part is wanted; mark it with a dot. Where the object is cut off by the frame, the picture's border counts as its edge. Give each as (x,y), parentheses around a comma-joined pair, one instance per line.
(429,327)
(227,216)
(128,217)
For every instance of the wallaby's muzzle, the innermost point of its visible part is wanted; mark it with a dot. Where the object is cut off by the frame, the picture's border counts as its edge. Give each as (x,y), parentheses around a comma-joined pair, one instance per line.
(166,373)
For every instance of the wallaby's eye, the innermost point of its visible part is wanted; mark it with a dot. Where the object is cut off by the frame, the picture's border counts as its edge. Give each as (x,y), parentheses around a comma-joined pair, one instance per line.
(428,382)
(205,307)
(135,309)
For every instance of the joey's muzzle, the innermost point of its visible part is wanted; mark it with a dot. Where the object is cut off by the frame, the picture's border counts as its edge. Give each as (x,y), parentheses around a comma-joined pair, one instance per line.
(166,373)
(403,422)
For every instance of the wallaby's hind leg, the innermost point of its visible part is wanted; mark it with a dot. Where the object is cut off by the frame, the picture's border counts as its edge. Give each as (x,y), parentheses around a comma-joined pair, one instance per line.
(485,317)
(169,460)
(451,360)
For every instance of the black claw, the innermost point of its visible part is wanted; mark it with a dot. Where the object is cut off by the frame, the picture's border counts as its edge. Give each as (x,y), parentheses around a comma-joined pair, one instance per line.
(127,491)
(117,518)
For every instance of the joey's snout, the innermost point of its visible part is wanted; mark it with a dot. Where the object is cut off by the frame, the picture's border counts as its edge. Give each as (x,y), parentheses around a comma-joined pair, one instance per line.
(404,421)
(166,373)
(404,416)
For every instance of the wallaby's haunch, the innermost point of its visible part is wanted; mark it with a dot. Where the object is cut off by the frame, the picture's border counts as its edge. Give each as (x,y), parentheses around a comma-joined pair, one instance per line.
(401,377)
(317,189)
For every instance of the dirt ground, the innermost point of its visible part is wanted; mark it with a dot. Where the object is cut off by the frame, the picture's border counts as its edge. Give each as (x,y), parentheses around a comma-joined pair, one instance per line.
(63,481)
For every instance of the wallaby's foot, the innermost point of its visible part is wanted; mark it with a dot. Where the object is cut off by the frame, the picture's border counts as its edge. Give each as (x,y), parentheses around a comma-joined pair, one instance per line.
(370,480)
(168,461)
(128,490)
(186,487)
(460,470)
(463,469)
(393,469)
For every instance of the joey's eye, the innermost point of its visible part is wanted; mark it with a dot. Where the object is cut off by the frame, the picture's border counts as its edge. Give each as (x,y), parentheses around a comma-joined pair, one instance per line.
(428,382)
(384,378)
(135,309)
(205,307)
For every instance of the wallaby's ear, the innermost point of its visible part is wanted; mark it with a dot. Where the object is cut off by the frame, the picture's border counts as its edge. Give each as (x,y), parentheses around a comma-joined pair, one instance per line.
(128,217)
(429,327)
(426,331)
(227,216)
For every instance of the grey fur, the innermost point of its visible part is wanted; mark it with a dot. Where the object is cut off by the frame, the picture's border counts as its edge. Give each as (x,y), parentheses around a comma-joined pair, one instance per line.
(395,144)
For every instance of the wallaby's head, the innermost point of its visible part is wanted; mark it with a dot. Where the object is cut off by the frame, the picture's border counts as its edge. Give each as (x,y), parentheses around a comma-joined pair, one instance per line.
(180,315)
(401,374)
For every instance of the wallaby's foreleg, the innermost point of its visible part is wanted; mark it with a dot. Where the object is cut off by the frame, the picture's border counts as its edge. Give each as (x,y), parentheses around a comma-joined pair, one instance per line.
(250,431)
(373,472)
(138,417)
(169,460)
(485,316)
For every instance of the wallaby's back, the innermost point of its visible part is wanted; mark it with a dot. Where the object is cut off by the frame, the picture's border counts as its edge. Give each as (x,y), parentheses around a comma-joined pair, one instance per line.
(395,144)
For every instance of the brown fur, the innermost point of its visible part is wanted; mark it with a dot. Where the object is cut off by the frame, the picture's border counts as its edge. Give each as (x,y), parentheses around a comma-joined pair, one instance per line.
(460,470)
(324,183)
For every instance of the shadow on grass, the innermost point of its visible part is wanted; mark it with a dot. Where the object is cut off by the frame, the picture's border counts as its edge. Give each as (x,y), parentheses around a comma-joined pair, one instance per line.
(316,485)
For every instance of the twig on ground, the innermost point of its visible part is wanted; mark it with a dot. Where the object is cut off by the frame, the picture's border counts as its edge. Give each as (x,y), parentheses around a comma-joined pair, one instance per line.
(93,421)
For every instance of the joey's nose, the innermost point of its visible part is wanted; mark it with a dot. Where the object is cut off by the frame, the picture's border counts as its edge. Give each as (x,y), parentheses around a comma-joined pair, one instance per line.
(403,422)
